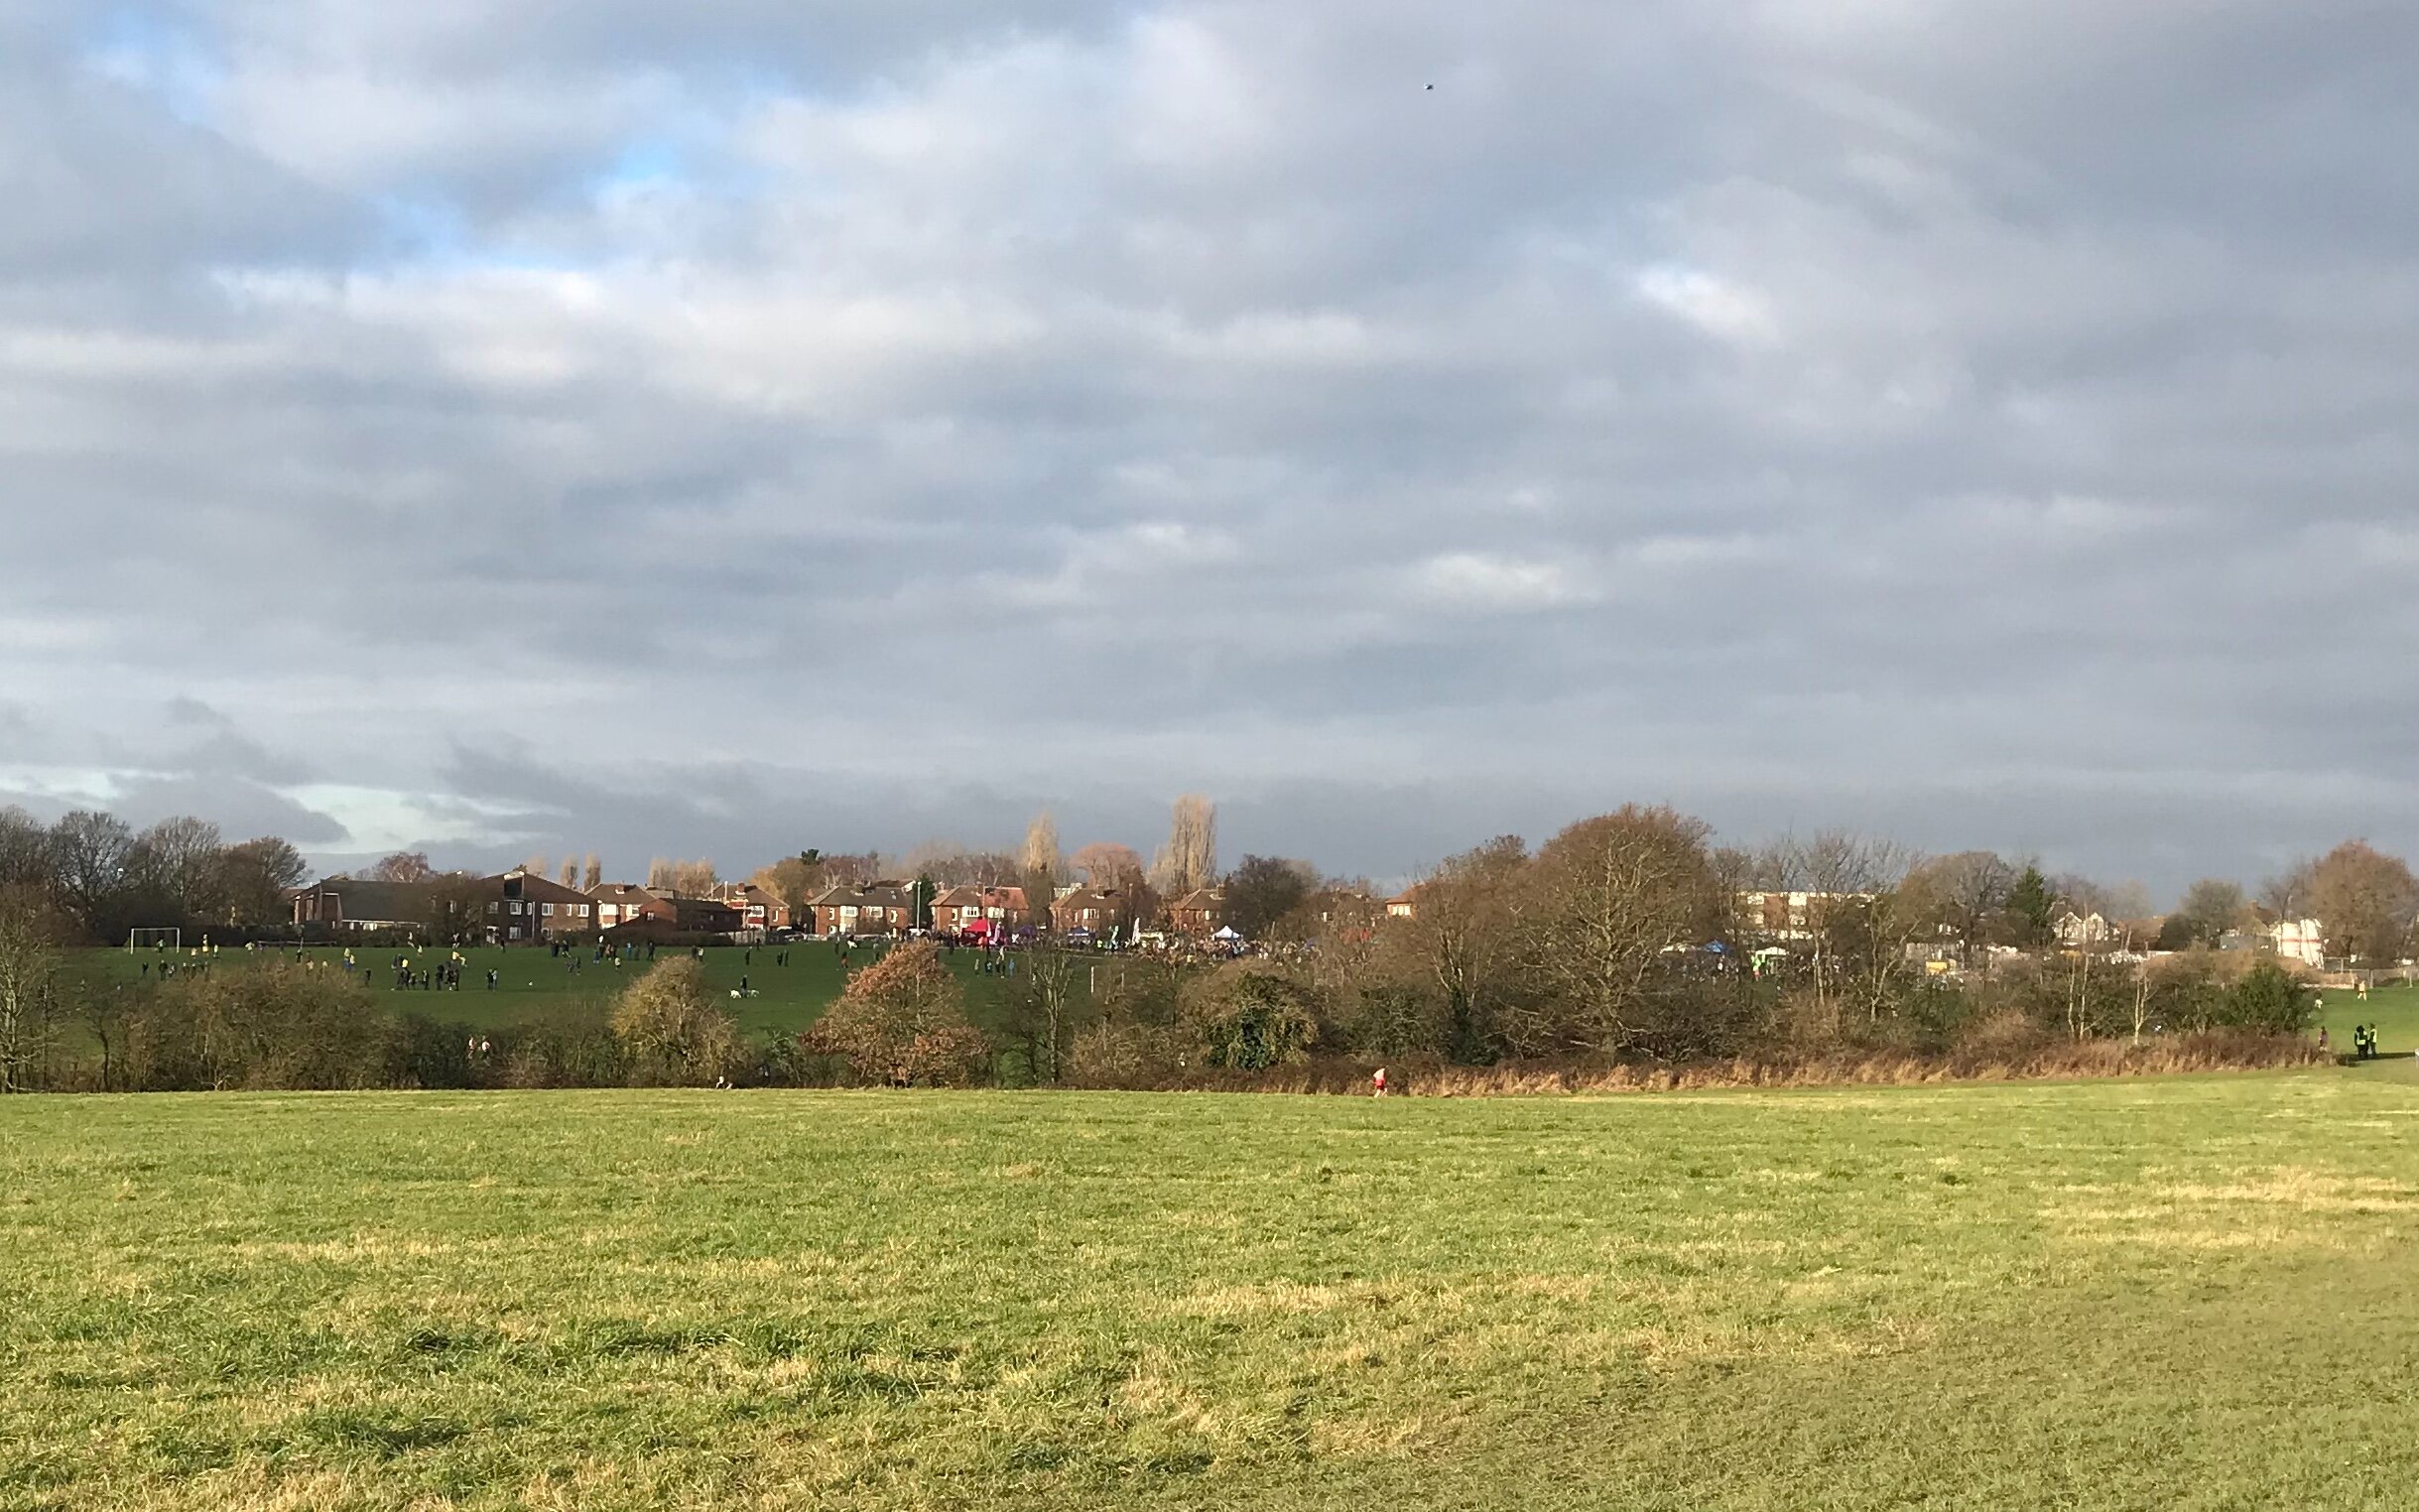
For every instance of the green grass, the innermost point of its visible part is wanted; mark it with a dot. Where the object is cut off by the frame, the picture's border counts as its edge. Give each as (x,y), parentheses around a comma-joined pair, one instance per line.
(532,983)
(2393,1010)
(2189,1293)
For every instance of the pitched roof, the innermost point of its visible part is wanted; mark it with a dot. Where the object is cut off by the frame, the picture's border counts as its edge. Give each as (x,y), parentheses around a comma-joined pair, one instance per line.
(537,888)
(878,894)
(379,902)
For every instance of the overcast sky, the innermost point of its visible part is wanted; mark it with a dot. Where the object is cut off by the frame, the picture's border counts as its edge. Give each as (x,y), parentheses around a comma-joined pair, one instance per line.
(726,427)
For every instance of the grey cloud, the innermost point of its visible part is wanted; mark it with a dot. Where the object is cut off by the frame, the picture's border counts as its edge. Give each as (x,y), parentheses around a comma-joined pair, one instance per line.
(241,809)
(1767,410)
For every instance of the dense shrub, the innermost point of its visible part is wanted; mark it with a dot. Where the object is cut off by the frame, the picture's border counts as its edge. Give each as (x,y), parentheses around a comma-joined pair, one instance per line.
(1249,1018)
(273,1025)
(671,1030)
(903,1021)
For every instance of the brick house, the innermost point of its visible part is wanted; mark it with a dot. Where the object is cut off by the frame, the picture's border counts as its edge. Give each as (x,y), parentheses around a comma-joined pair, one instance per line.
(984,910)
(1402,906)
(520,905)
(873,908)
(620,903)
(342,903)
(1200,913)
(706,916)
(758,909)
(1097,908)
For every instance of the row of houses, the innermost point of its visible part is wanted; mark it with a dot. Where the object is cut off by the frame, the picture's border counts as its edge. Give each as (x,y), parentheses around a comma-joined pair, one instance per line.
(522,906)
(512,906)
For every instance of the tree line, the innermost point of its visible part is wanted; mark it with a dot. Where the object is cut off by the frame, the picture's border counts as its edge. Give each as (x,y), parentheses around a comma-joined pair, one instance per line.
(104,877)
(1621,940)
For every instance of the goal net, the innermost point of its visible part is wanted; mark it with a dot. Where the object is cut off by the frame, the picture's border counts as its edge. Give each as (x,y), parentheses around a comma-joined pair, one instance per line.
(154,939)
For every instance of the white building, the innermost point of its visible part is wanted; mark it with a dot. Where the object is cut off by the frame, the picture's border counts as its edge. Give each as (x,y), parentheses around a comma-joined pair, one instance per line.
(2077,930)
(2303,939)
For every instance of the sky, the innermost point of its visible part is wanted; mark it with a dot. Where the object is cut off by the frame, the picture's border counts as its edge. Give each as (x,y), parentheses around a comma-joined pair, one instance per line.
(721,429)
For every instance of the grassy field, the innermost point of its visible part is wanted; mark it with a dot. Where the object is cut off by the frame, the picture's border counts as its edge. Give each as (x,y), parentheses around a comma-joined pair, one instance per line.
(2189,1293)
(2394,1010)
(533,983)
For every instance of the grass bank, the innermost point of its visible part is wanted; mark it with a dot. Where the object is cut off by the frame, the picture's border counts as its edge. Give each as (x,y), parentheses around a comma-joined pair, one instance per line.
(2183,1293)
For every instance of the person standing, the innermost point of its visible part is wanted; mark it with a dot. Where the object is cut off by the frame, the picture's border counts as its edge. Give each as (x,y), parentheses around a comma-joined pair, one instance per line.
(1377,1082)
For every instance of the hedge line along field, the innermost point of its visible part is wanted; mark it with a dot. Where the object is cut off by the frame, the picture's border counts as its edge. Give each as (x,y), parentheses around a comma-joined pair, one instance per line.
(2177,1292)
(530,983)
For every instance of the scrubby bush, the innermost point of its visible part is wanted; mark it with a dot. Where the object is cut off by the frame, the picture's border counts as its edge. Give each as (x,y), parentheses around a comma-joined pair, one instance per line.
(671,1030)
(903,1021)
(2269,999)
(1249,1018)
(273,1025)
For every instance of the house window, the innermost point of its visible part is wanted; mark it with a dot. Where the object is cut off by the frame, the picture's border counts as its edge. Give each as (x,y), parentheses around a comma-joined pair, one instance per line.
(490,908)
(547,909)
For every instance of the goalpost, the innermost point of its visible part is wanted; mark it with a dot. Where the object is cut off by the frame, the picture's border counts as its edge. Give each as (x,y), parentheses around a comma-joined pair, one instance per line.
(155,940)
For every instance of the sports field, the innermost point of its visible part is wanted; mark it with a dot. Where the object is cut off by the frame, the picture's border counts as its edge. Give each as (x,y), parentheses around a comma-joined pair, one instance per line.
(2393,1010)
(2183,1293)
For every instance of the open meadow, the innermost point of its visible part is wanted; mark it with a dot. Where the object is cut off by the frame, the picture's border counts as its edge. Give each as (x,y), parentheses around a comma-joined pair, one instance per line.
(2177,1292)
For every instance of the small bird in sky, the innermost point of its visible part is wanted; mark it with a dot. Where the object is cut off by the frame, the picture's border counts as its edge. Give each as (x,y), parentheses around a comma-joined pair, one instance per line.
(1432,86)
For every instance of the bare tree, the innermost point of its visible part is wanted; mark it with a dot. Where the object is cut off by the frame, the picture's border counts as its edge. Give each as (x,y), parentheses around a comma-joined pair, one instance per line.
(1464,934)
(595,874)
(25,851)
(1966,892)
(659,874)
(694,879)
(1262,890)
(2367,900)
(1040,869)
(1045,999)
(950,864)
(534,865)
(1845,876)
(1041,848)
(257,876)
(942,861)
(2210,907)
(569,874)
(1610,896)
(181,861)
(29,972)
(2290,894)
(403,866)
(2129,902)
(90,852)
(2083,895)
(1103,863)
(1190,858)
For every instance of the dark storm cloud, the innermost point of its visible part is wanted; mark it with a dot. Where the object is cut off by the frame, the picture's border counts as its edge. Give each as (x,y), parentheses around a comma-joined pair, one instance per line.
(563,426)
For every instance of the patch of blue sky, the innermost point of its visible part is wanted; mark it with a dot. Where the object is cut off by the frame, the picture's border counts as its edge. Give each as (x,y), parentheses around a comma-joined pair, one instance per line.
(648,160)
(147,48)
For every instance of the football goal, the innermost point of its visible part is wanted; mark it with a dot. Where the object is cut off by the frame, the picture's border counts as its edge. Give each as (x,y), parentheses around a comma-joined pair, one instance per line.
(155,940)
